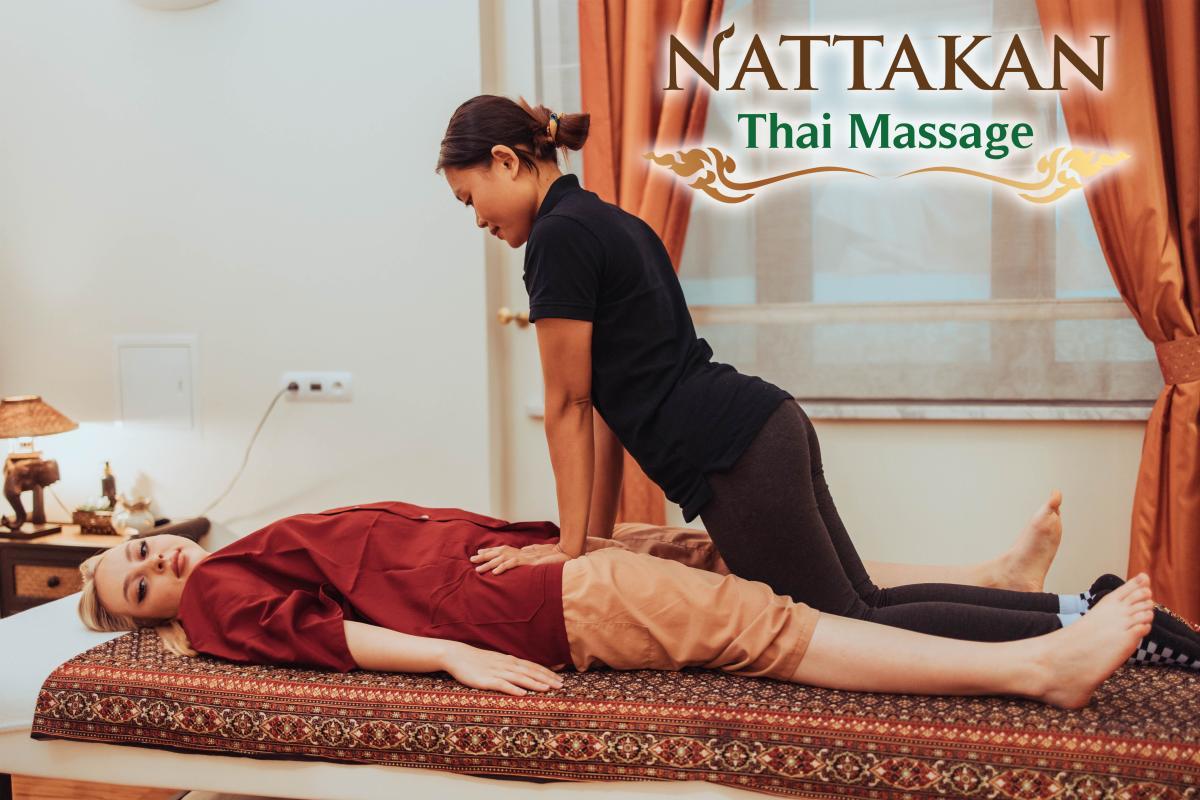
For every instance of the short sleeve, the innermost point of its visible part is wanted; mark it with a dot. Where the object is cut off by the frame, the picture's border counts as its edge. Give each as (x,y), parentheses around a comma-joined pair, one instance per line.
(563,261)
(254,622)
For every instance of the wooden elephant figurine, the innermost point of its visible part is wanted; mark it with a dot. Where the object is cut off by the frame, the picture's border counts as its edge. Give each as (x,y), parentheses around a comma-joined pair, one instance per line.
(22,476)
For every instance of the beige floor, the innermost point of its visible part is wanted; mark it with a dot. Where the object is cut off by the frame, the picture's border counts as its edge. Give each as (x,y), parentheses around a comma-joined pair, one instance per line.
(25,788)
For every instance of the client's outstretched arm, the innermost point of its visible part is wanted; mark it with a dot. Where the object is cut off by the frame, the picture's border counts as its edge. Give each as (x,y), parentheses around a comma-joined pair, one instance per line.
(386,650)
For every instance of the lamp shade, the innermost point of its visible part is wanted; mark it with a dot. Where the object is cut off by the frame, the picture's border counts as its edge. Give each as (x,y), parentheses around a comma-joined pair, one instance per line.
(29,415)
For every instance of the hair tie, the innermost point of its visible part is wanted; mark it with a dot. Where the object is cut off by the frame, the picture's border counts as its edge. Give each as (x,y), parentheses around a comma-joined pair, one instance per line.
(552,126)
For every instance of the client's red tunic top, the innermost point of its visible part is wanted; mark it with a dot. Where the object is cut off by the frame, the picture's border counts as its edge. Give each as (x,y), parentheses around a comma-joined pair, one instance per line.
(280,594)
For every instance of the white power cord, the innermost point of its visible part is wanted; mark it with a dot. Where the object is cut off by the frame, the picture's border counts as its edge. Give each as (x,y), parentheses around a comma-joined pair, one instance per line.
(246,457)
(58,500)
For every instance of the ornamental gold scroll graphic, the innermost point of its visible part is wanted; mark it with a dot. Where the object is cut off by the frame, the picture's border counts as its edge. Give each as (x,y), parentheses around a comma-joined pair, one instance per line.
(1062,171)
(717,168)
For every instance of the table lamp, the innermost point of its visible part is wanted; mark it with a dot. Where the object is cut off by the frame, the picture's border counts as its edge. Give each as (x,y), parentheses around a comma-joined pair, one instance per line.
(23,418)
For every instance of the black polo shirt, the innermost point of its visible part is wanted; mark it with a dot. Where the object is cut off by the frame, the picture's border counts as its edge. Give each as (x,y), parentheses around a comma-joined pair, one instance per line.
(678,413)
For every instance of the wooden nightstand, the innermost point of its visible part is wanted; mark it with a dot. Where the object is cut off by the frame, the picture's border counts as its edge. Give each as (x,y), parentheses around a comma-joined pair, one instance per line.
(40,570)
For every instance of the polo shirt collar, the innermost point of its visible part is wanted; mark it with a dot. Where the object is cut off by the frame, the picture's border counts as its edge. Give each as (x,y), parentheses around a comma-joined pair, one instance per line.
(561,187)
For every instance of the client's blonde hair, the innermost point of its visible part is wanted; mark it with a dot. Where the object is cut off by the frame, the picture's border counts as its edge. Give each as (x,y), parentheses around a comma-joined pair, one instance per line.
(98,618)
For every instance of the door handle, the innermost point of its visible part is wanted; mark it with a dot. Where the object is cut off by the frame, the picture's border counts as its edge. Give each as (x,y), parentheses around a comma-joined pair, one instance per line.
(507,315)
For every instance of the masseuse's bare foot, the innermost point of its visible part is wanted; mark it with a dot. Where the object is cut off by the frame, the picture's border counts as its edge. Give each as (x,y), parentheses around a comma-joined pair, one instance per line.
(1024,567)
(1078,658)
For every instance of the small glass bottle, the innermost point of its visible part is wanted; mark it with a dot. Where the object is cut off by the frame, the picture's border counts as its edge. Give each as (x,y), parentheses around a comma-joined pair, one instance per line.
(108,487)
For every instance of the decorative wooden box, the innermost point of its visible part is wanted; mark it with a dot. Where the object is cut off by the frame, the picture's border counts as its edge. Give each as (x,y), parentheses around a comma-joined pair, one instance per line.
(95,522)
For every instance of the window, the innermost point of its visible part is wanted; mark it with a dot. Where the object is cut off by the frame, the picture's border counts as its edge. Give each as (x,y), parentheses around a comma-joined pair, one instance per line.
(929,290)
(556,30)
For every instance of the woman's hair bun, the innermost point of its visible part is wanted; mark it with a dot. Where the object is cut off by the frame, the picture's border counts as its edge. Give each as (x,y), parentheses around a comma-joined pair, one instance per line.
(570,132)
(487,120)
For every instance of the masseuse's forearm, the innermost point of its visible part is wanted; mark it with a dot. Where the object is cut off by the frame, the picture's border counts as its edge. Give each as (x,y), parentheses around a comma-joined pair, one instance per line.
(376,648)
(569,436)
(606,484)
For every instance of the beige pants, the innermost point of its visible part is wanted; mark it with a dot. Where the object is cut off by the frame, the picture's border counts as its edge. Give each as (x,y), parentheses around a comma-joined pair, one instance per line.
(660,597)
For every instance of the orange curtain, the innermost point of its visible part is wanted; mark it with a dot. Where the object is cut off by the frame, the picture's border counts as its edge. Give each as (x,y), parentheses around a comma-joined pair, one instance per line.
(1147,216)
(622,51)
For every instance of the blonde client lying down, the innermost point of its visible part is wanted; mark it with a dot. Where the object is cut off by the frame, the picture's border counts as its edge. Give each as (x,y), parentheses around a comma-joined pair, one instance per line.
(399,587)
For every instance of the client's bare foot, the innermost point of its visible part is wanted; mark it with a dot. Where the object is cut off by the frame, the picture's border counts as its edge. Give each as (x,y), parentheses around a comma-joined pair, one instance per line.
(1078,658)
(1024,567)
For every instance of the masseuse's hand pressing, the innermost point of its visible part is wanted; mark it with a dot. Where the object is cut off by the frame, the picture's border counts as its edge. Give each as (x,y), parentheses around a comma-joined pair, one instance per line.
(486,669)
(504,557)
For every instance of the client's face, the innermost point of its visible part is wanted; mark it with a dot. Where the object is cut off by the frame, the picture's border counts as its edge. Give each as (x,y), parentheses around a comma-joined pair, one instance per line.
(144,578)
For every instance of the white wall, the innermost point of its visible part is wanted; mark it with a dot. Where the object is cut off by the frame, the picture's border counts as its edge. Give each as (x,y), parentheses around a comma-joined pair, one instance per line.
(259,174)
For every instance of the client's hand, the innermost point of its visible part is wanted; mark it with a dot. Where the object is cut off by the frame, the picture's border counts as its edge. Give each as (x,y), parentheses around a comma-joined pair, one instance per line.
(485,669)
(504,557)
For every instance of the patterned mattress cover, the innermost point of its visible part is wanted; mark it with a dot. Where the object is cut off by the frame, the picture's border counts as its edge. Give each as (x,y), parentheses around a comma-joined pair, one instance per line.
(1139,737)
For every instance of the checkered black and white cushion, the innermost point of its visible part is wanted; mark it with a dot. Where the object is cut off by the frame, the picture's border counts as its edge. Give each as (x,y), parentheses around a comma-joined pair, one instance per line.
(1151,652)
(1172,641)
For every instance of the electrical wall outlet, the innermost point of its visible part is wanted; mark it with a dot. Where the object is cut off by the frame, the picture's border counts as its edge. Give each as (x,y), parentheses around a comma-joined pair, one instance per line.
(316,386)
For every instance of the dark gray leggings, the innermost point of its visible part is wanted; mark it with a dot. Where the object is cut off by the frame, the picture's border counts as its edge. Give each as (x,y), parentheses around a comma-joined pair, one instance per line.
(773,520)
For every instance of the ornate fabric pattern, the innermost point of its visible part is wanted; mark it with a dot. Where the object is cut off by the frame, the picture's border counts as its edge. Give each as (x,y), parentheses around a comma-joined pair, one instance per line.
(1138,738)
